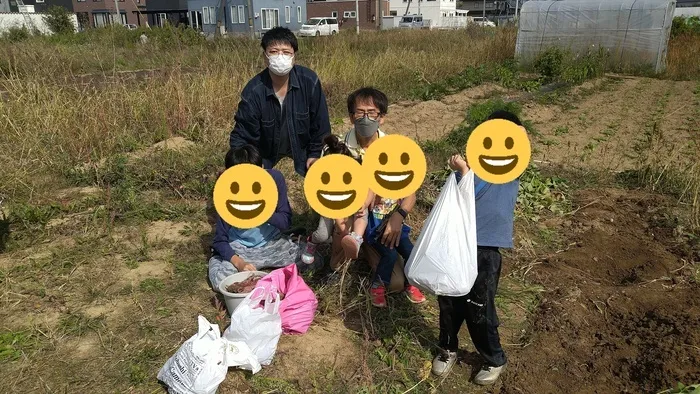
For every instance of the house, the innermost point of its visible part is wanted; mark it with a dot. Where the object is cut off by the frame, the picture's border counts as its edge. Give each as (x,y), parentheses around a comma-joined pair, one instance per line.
(492,8)
(38,5)
(431,10)
(266,14)
(174,12)
(100,13)
(345,12)
(687,8)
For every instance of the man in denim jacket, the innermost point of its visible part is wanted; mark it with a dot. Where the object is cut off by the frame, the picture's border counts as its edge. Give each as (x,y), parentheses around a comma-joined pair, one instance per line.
(283,110)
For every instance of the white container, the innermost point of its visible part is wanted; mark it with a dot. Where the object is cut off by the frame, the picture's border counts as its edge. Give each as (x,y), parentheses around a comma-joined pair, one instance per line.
(234,299)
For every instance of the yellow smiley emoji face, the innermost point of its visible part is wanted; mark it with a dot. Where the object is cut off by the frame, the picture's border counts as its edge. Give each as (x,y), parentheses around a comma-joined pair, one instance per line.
(335,186)
(245,196)
(395,165)
(498,151)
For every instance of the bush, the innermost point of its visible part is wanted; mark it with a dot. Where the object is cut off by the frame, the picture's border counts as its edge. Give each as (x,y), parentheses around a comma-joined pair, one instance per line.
(557,65)
(16,34)
(550,64)
(58,20)
(685,25)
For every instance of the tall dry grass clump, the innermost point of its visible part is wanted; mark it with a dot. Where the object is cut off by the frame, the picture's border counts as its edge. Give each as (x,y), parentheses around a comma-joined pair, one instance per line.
(54,117)
(683,58)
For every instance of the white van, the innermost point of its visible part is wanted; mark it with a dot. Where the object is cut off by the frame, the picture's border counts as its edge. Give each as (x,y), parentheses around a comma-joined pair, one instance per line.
(319,27)
(411,22)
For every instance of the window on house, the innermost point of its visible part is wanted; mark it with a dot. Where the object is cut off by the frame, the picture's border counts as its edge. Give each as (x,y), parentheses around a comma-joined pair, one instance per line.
(39,1)
(205,15)
(79,1)
(299,14)
(334,14)
(212,15)
(162,18)
(270,18)
(287,14)
(349,14)
(241,14)
(234,14)
(123,18)
(99,20)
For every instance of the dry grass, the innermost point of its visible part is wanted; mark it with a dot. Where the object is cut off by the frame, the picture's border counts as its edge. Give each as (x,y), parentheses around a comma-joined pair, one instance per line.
(682,58)
(53,120)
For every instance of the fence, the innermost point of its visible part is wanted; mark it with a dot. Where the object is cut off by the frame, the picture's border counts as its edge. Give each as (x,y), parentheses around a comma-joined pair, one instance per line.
(30,21)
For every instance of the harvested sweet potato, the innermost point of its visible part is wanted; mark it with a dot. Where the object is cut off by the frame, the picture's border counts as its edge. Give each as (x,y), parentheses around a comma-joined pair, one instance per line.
(245,286)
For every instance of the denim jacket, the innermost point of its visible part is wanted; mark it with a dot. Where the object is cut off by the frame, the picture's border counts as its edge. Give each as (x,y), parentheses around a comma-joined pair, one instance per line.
(259,119)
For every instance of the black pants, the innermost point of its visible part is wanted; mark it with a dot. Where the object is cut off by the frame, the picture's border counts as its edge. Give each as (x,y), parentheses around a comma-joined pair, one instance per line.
(478,309)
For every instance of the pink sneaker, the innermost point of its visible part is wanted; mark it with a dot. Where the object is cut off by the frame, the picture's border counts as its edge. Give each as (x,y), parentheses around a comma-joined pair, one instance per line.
(351,245)
(378,297)
(414,295)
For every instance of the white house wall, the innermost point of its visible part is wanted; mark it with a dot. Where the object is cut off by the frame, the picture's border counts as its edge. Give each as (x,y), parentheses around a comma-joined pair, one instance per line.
(30,20)
(429,9)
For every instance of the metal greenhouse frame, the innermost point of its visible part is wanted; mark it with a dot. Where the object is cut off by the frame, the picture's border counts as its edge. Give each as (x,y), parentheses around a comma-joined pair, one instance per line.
(635,32)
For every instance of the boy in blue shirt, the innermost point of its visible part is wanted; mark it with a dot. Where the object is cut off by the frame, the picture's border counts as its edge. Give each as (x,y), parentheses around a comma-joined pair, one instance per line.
(495,211)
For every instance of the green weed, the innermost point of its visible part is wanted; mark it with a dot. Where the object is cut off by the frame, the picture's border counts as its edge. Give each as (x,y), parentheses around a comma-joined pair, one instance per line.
(683,389)
(77,324)
(152,285)
(13,344)
(539,193)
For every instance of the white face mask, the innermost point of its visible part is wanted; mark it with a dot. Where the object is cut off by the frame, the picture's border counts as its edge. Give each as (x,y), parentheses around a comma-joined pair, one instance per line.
(280,65)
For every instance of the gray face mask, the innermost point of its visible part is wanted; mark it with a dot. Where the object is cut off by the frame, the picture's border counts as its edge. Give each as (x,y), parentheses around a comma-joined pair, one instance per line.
(366,127)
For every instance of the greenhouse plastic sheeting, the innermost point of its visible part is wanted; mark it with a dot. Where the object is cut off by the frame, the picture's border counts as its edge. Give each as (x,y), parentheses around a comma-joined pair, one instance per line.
(635,32)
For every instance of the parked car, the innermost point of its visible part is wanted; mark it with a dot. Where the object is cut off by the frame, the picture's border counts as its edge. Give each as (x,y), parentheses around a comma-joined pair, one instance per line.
(131,26)
(411,22)
(481,21)
(319,27)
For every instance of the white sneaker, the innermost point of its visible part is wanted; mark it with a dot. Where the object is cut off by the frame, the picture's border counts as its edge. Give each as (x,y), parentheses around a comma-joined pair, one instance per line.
(488,374)
(444,362)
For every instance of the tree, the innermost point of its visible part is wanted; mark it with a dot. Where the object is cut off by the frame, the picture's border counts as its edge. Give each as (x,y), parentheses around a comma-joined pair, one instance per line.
(59,21)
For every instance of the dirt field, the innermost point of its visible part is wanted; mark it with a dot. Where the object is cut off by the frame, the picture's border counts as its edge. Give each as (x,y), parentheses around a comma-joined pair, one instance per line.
(602,298)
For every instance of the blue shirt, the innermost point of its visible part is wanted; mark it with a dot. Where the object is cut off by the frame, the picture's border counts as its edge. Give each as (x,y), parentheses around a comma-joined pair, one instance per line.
(495,212)
(280,221)
(298,130)
(254,237)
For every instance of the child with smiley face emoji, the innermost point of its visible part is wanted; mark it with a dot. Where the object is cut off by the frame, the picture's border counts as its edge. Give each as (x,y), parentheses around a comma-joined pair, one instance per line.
(263,246)
(495,211)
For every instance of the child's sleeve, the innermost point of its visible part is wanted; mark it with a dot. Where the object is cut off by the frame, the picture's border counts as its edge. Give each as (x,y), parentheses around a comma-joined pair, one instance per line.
(221,242)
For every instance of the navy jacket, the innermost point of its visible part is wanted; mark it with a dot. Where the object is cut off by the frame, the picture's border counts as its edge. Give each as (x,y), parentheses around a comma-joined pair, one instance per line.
(282,219)
(259,120)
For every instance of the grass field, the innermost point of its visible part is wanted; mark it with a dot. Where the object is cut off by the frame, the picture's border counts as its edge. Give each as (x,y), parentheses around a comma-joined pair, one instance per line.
(110,149)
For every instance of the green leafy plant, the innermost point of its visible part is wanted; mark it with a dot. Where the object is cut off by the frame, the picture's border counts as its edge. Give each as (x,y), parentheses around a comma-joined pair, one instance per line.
(539,193)
(683,389)
(685,25)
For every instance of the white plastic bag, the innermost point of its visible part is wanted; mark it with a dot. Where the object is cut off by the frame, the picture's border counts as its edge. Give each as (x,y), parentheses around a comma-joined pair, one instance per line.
(259,327)
(443,260)
(238,354)
(201,363)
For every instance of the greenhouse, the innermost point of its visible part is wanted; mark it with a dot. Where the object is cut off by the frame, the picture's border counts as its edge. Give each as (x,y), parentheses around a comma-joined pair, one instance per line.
(635,32)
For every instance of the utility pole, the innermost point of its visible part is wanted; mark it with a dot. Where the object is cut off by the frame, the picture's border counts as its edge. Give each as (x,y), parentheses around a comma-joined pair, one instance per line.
(219,15)
(357,16)
(483,22)
(377,18)
(250,19)
(118,17)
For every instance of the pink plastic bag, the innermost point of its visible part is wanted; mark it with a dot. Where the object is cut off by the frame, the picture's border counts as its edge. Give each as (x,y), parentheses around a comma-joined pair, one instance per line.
(298,307)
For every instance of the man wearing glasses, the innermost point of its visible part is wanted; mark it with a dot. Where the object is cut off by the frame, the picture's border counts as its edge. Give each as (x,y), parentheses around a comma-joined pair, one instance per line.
(283,110)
